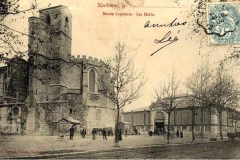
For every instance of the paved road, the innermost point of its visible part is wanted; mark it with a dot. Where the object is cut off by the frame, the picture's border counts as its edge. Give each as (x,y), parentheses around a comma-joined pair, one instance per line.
(220,150)
(17,146)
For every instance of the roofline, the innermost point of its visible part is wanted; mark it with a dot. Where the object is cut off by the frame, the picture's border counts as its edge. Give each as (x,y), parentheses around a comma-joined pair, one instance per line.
(179,96)
(3,67)
(56,7)
(137,111)
(52,7)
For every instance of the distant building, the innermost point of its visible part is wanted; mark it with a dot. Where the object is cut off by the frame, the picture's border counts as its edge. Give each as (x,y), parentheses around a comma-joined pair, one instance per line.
(155,119)
(54,84)
(139,119)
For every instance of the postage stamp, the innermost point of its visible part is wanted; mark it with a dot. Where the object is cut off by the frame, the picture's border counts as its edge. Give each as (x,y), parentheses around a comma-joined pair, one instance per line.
(223,23)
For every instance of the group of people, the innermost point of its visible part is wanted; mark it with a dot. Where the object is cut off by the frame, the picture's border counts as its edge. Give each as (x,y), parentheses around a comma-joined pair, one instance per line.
(72,130)
(136,131)
(94,133)
(159,131)
(179,134)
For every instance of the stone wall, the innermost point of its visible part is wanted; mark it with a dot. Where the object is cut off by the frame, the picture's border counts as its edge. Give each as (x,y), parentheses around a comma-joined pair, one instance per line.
(10,124)
(100,118)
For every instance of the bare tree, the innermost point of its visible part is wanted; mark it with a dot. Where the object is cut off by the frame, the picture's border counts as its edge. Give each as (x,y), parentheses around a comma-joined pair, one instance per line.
(120,82)
(11,42)
(190,101)
(199,84)
(224,95)
(167,99)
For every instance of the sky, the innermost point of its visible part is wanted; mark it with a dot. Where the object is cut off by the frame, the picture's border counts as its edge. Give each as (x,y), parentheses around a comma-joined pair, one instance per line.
(95,34)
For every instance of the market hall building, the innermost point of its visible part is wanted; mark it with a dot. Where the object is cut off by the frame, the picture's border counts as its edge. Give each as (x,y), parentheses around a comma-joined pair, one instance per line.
(154,119)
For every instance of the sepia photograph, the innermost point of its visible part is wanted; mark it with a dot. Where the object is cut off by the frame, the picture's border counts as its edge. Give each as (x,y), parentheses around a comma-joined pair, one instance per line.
(119,79)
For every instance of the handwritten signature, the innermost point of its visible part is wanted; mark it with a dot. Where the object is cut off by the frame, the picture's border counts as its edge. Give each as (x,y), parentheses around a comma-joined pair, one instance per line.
(167,39)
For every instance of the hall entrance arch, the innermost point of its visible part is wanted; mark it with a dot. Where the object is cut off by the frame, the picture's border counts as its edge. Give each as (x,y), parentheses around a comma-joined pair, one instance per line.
(159,123)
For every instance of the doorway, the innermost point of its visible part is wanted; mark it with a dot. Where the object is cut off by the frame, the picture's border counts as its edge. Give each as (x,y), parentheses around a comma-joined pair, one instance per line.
(159,123)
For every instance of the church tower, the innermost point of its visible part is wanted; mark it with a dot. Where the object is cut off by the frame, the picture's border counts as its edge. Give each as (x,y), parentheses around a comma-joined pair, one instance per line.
(59,21)
(50,37)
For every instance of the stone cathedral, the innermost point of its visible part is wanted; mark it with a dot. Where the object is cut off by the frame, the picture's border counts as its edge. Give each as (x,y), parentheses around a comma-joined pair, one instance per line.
(58,89)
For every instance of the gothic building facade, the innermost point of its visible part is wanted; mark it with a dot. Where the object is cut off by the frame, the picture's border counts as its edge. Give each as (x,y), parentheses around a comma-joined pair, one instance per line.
(59,85)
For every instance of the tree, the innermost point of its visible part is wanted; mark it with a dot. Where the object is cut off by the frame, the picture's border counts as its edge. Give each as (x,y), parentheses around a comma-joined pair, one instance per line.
(120,82)
(190,101)
(12,40)
(224,95)
(199,84)
(167,99)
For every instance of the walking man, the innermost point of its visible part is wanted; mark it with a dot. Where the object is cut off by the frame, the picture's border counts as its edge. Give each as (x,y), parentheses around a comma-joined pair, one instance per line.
(125,132)
(181,134)
(177,133)
(72,129)
(104,133)
(94,132)
(84,132)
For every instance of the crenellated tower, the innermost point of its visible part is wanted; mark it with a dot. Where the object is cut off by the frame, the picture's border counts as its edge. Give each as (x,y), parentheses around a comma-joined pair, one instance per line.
(51,32)
(49,49)
(59,22)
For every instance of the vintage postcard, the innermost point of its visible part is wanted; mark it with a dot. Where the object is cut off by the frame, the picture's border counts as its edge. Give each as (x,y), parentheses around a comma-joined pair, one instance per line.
(119,79)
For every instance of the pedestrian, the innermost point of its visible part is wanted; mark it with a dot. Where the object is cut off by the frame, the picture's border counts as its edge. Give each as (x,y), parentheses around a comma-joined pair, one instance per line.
(177,133)
(136,131)
(120,135)
(83,132)
(181,134)
(125,132)
(111,132)
(72,130)
(104,133)
(94,132)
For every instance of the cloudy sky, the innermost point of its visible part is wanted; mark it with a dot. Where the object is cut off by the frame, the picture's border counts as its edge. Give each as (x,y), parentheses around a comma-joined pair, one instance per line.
(95,34)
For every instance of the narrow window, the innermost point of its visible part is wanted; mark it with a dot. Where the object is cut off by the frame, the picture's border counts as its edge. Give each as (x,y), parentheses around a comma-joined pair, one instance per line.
(48,19)
(98,114)
(92,81)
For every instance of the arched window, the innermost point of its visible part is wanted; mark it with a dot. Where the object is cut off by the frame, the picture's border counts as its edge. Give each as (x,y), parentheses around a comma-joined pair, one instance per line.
(98,114)
(66,21)
(15,110)
(48,19)
(92,81)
